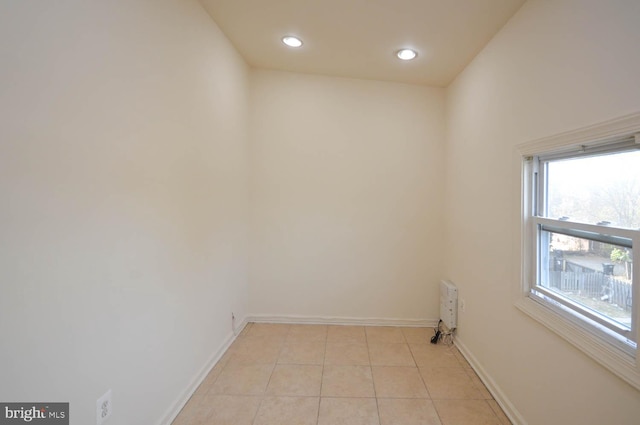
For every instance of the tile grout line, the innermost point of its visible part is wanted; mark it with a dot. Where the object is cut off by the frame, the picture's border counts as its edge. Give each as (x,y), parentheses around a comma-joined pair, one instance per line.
(264,393)
(425,386)
(473,381)
(324,359)
(424,382)
(420,374)
(222,367)
(471,373)
(375,393)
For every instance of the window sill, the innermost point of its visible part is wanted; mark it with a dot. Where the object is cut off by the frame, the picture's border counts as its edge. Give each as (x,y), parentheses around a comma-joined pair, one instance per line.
(620,363)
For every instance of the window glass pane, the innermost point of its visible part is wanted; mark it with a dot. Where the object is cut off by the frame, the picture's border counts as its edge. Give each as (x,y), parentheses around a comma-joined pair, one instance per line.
(599,189)
(593,274)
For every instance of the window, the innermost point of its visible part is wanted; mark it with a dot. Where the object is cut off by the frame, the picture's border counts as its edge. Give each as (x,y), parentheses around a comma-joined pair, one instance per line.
(581,243)
(585,217)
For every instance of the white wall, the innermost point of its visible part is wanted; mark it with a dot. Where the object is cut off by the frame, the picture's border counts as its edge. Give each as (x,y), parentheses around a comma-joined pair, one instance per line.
(124,192)
(346,197)
(556,66)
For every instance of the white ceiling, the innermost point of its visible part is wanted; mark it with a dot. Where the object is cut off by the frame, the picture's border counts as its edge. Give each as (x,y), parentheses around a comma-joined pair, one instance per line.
(358,38)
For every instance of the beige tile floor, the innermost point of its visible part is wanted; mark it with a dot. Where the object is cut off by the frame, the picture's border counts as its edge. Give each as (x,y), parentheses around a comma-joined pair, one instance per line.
(340,375)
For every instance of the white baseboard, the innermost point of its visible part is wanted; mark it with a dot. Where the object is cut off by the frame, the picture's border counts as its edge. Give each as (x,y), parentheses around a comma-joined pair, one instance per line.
(177,406)
(332,320)
(509,409)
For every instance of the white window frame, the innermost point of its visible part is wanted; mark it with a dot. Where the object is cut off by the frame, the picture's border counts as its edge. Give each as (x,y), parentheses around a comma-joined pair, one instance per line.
(594,335)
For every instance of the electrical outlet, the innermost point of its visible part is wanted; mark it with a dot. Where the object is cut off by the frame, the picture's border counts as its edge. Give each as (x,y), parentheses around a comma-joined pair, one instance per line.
(463,305)
(103,408)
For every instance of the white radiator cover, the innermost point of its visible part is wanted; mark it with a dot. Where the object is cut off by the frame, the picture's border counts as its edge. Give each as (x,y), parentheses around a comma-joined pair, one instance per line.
(448,304)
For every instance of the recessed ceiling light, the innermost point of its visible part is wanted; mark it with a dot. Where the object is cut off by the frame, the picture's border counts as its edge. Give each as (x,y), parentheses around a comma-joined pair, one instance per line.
(292,41)
(406,54)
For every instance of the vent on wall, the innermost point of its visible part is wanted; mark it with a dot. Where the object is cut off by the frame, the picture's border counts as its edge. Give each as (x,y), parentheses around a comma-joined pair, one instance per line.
(449,304)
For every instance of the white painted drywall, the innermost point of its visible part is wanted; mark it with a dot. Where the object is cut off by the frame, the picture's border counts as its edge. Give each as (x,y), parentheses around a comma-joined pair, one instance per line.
(124,199)
(346,217)
(556,66)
